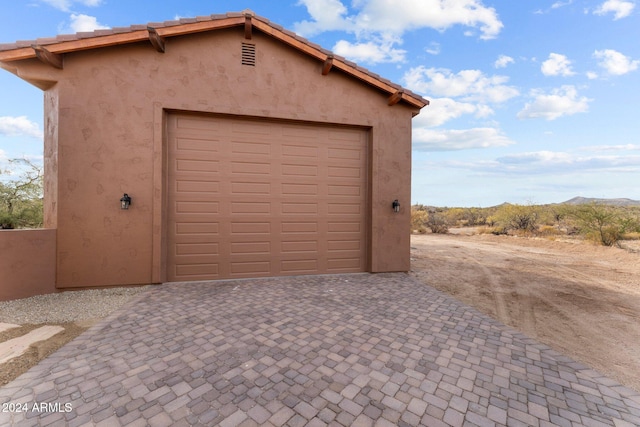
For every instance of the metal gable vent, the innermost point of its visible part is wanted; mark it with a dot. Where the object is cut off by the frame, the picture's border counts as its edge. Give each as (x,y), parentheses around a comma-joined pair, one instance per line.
(249,54)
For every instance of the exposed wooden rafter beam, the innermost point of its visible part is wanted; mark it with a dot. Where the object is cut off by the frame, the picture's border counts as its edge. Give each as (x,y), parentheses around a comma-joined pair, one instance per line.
(198,27)
(395,98)
(53,59)
(328,63)
(248,27)
(156,39)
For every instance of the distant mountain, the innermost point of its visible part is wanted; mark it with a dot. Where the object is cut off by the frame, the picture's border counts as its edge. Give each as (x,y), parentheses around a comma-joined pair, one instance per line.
(612,202)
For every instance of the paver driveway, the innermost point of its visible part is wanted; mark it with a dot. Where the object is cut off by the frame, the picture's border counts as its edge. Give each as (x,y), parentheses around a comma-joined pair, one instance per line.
(339,350)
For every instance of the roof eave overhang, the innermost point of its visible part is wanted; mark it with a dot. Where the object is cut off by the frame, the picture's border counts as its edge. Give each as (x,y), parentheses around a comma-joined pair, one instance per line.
(60,47)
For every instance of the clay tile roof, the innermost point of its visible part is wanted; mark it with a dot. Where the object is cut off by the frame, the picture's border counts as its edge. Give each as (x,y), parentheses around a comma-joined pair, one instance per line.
(67,43)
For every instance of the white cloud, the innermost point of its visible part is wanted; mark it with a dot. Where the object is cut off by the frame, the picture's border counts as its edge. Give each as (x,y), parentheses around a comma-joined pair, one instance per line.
(619,147)
(372,52)
(620,9)
(374,16)
(615,62)
(592,75)
(557,65)
(469,85)
(378,25)
(550,163)
(433,48)
(560,4)
(85,23)
(19,126)
(452,140)
(441,110)
(562,162)
(328,15)
(65,5)
(503,61)
(563,101)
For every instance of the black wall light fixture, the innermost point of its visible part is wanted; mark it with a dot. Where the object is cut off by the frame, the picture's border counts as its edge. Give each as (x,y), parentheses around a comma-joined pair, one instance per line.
(396,205)
(125,201)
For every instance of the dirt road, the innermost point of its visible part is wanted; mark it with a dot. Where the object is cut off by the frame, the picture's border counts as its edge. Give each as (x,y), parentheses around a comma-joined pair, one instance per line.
(580,299)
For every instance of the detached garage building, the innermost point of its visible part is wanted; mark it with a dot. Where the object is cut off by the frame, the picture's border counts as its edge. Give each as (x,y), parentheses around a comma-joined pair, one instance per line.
(246,150)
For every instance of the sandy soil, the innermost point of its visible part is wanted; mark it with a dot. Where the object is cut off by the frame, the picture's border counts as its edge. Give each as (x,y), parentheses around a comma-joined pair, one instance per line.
(579,299)
(37,351)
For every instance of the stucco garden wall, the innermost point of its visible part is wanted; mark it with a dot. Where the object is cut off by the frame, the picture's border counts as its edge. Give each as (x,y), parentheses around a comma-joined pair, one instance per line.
(28,263)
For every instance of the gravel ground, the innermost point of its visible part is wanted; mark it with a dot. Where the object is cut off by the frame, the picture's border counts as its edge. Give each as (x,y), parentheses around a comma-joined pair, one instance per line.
(67,306)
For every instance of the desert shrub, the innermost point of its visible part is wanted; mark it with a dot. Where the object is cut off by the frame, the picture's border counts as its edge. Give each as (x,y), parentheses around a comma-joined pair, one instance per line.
(437,223)
(419,219)
(484,230)
(523,218)
(475,216)
(603,224)
(548,231)
(21,197)
(455,216)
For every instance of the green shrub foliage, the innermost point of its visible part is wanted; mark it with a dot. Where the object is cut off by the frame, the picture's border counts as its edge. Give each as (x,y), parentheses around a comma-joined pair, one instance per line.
(21,188)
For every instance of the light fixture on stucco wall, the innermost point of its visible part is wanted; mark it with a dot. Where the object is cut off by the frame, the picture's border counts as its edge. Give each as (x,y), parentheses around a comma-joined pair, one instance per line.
(125,201)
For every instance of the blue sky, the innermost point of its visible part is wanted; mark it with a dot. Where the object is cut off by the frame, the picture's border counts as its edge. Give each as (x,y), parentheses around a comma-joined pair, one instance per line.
(531,101)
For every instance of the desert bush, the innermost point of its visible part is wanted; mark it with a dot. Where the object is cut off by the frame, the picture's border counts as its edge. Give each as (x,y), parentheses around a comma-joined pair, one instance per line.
(419,219)
(603,224)
(437,223)
(548,231)
(523,218)
(21,197)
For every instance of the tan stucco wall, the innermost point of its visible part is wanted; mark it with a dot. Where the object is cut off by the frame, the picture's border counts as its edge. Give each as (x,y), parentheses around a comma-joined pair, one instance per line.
(28,263)
(111,106)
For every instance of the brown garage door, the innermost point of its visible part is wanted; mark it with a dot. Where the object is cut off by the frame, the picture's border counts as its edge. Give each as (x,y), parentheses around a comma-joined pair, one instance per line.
(252,198)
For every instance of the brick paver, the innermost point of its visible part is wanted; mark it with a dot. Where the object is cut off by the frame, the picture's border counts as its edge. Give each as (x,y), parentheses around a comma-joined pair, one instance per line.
(356,349)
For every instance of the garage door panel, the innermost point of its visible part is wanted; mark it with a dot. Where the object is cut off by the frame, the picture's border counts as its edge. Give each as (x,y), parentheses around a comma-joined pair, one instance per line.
(196,248)
(259,198)
(250,228)
(344,227)
(250,168)
(345,154)
(191,165)
(250,268)
(196,271)
(250,247)
(344,190)
(299,266)
(344,264)
(344,172)
(345,209)
(184,122)
(251,148)
(197,207)
(250,208)
(197,144)
(297,246)
(299,151)
(197,186)
(195,228)
(299,208)
(299,227)
(305,170)
(257,188)
(344,245)
(297,189)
